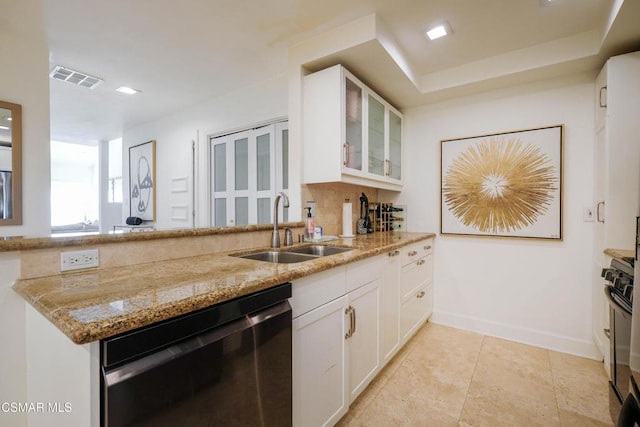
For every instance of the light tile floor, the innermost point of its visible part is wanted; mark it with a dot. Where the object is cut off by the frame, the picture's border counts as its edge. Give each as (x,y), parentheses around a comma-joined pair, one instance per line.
(449,377)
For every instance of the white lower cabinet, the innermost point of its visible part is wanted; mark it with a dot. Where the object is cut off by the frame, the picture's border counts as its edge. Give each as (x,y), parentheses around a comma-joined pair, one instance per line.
(363,339)
(319,365)
(390,306)
(348,323)
(415,310)
(416,290)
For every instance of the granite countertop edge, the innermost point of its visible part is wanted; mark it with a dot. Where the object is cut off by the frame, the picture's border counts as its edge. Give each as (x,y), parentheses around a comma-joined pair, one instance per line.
(22,243)
(59,298)
(619,253)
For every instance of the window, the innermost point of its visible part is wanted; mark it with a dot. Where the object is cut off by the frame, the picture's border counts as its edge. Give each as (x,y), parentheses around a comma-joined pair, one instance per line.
(248,169)
(74,187)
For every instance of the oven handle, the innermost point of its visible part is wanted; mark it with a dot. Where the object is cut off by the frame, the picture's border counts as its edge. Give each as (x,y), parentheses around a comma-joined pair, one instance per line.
(608,291)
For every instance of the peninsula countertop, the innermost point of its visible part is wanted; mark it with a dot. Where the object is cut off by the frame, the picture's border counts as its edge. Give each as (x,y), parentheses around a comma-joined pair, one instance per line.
(93,305)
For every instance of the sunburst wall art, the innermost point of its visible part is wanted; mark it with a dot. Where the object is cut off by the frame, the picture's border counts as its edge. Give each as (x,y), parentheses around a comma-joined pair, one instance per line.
(507,184)
(142,181)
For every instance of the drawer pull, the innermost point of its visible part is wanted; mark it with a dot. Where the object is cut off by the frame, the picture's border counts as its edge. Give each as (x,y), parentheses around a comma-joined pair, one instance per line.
(420,262)
(427,247)
(413,253)
(394,253)
(420,294)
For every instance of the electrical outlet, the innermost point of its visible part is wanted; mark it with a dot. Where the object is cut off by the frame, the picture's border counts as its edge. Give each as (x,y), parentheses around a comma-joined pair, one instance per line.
(79,259)
(311,204)
(587,214)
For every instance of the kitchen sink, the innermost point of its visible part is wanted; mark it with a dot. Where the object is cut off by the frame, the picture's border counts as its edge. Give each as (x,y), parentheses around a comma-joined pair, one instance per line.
(319,250)
(278,257)
(304,253)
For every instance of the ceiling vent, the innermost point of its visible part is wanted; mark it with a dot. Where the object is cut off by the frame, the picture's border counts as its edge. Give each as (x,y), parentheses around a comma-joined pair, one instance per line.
(74,77)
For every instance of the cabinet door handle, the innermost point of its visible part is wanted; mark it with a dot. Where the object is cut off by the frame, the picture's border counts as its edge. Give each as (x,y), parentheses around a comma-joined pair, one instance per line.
(420,262)
(603,104)
(346,154)
(413,253)
(600,204)
(607,332)
(420,294)
(349,311)
(427,247)
(394,253)
(353,316)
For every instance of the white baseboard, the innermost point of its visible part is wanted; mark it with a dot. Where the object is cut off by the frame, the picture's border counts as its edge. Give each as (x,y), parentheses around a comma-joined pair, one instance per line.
(550,341)
(602,343)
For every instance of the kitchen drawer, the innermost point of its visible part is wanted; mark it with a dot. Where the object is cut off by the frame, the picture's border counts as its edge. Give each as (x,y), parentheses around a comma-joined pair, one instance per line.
(414,251)
(415,274)
(415,310)
(363,272)
(318,289)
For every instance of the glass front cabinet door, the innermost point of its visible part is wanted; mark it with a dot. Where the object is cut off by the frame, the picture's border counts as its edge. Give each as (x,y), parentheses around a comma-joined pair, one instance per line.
(384,140)
(394,156)
(376,136)
(353,126)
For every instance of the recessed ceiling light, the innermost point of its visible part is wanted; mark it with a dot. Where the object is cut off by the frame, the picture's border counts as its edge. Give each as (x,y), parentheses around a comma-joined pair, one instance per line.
(438,31)
(127,90)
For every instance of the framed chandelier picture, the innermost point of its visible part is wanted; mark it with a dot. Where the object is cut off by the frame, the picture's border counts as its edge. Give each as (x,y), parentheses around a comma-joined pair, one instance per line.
(506,184)
(142,181)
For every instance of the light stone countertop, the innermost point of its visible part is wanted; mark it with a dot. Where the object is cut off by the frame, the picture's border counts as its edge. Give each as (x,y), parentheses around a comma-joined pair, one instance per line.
(89,306)
(21,243)
(620,253)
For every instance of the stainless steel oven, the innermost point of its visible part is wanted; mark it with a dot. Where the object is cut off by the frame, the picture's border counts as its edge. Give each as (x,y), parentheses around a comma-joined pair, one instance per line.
(229,365)
(619,292)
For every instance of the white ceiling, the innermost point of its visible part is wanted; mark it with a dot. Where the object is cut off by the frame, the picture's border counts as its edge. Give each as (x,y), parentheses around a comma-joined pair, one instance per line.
(182,53)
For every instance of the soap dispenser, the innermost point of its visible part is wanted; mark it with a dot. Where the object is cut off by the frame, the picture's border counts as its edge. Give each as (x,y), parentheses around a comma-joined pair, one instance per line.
(310,224)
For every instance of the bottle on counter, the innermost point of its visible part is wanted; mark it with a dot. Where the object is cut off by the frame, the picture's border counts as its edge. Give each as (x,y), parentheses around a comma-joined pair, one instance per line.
(309,226)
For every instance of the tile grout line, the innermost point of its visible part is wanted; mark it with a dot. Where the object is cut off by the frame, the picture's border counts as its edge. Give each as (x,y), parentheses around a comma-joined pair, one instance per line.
(555,389)
(408,349)
(466,395)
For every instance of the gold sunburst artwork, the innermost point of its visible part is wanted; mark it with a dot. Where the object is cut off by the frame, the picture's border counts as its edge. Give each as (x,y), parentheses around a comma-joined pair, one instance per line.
(503,185)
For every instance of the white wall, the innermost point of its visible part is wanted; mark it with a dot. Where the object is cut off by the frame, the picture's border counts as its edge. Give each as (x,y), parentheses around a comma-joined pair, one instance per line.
(536,292)
(23,80)
(261,102)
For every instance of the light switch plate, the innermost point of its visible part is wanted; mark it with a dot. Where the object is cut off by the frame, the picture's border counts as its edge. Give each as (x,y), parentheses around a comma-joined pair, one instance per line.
(587,214)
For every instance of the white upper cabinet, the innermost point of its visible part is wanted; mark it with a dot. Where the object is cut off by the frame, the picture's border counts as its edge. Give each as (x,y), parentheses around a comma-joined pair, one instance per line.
(617,184)
(350,133)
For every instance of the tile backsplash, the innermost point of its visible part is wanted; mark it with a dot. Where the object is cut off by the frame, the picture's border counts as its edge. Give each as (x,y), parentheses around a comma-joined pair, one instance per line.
(329,199)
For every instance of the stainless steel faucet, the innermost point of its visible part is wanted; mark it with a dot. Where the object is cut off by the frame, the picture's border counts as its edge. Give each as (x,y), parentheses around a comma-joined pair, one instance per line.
(275,236)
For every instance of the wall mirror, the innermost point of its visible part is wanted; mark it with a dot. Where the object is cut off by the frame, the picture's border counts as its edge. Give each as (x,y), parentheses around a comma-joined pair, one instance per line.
(10,163)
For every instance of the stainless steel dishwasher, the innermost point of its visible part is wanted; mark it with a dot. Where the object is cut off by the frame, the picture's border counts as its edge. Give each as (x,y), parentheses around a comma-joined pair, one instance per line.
(229,365)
